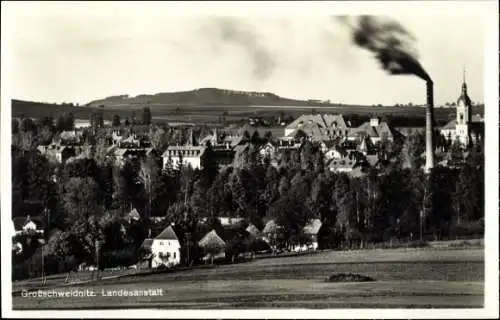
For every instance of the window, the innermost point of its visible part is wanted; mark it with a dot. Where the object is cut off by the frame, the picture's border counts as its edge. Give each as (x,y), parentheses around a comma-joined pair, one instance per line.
(161,243)
(461,116)
(175,254)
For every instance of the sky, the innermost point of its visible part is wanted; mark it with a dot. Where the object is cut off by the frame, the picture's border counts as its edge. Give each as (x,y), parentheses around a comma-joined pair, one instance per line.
(78,52)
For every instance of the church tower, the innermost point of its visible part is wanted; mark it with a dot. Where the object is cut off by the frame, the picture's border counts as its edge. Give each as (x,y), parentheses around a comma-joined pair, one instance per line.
(464,104)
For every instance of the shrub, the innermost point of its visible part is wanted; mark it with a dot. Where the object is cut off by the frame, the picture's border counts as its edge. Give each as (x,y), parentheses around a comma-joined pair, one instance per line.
(349,277)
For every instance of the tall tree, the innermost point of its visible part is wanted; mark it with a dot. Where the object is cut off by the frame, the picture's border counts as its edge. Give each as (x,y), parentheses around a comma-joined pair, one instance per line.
(60,123)
(116,121)
(146,116)
(69,121)
(149,176)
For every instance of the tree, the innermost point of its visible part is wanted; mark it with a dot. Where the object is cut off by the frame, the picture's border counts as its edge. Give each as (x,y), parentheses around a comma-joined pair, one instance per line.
(96,119)
(46,135)
(456,152)
(15,126)
(344,200)
(116,121)
(127,122)
(69,121)
(149,177)
(27,124)
(82,203)
(60,123)
(146,116)
(133,119)
(26,140)
(159,139)
(415,146)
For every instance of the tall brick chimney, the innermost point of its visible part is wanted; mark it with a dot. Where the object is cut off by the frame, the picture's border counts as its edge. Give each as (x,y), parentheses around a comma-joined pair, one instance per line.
(429,128)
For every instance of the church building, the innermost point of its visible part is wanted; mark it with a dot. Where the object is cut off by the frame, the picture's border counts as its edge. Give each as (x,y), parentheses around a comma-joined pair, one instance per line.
(465,127)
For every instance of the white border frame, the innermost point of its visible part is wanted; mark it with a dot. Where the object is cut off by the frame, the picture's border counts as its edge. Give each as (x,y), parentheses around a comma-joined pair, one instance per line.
(490,11)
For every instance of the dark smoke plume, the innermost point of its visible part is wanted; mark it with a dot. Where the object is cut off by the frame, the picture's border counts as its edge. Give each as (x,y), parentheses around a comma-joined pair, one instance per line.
(235,31)
(390,42)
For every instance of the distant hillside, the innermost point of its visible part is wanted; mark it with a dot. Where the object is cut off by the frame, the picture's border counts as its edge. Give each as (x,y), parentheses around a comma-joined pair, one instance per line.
(208,105)
(39,110)
(200,97)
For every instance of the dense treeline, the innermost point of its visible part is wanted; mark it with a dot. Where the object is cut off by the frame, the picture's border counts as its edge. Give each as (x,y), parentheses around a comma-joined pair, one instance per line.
(85,200)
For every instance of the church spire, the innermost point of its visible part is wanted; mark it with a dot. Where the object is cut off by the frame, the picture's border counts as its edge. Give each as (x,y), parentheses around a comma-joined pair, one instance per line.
(464,85)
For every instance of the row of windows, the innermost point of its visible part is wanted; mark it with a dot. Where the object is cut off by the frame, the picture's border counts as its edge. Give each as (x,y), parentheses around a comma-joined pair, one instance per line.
(184,152)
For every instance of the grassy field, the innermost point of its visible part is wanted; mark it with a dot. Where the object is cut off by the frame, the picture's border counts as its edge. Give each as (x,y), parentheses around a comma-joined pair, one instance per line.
(405,278)
(211,113)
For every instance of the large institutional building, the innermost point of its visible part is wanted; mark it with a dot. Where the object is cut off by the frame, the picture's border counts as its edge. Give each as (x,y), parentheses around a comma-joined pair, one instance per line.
(465,127)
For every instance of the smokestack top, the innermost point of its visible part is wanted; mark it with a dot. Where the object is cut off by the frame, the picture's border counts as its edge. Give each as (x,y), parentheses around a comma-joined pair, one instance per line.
(390,42)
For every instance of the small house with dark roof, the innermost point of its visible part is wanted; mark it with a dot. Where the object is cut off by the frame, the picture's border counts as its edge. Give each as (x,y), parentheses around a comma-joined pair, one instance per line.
(273,234)
(311,230)
(165,249)
(253,231)
(213,246)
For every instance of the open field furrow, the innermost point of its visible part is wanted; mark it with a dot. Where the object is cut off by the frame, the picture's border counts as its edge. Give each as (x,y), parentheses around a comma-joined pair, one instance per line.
(294,282)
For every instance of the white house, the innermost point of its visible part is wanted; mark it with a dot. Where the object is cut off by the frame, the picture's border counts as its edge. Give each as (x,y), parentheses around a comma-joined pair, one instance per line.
(230,221)
(29,226)
(187,155)
(166,249)
(333,153)
(268,150)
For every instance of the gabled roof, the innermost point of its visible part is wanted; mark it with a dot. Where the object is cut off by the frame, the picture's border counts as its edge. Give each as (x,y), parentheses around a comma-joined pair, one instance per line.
(211,239)
(268,144)
(450,125)
(475,119)
(372,159)
(167,234)
(252,229)
(20,222)
(134,214)
(271,227)
(147,243)
(373,131)
(313,226)
(323,121)
(329,143)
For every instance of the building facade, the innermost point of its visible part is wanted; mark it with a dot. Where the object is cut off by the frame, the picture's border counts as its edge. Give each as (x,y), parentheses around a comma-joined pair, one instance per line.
(166,249)
(185,155)
(465,127)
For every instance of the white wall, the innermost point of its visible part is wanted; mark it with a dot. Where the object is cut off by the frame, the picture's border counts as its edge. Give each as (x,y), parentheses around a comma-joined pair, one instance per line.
(171,247)
(194,161)
(288,131)
(30,226)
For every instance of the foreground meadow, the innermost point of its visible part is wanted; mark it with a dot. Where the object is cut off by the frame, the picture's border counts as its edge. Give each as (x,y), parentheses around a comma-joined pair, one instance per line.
(405,278)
